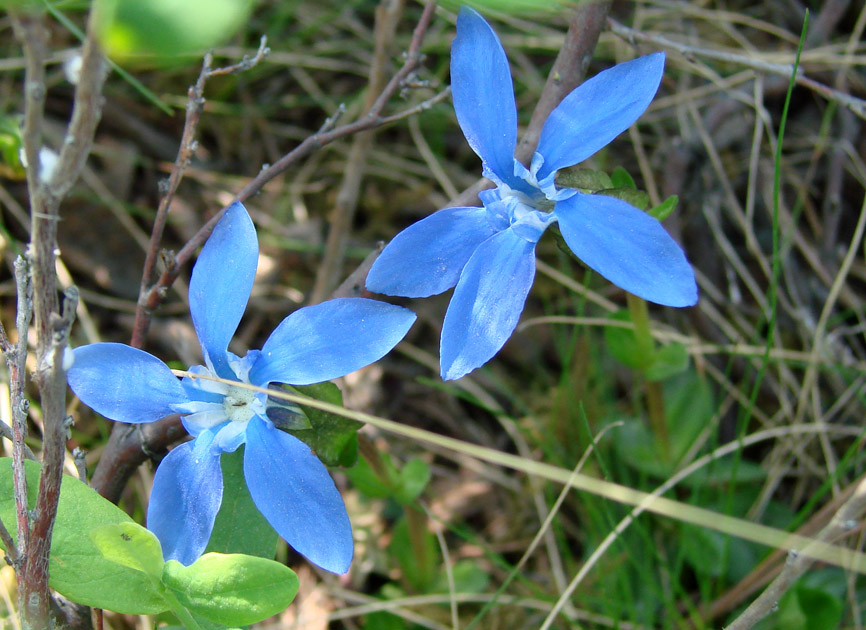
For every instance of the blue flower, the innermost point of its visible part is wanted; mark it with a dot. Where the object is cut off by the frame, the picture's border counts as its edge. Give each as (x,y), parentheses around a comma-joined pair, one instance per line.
(489,252)
(288,484)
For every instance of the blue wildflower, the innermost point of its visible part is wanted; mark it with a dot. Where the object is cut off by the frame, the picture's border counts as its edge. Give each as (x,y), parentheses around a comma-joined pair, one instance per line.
(489,252)
(288,484)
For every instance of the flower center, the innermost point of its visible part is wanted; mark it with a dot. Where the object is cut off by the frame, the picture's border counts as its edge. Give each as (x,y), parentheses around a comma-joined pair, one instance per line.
(238,404)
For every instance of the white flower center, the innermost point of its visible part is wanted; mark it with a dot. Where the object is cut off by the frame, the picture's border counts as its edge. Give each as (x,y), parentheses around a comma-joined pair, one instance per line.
(239,404)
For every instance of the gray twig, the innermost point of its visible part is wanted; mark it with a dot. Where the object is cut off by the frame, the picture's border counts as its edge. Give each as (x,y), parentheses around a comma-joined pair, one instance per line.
(188,145)
(843,522)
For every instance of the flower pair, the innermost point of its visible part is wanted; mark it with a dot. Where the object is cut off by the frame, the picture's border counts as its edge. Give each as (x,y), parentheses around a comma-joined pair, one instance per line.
(287,482)
(488,253)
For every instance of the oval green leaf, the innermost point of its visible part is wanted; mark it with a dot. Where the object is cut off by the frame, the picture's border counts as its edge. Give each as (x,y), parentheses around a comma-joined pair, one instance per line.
(232,589)
(77,569)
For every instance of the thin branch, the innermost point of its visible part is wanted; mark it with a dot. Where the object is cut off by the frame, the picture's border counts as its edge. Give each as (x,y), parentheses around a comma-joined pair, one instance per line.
(856,105)
(844,522)
(387,17)
(188,147)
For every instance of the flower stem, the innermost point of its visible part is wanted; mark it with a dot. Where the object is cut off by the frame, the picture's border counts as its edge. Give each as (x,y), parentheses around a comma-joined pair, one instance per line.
(654,397)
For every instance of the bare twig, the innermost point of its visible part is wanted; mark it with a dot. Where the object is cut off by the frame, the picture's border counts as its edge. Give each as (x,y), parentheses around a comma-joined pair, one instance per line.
(188,146)
(843,522)
(856,105)
(52,327)
(387,17)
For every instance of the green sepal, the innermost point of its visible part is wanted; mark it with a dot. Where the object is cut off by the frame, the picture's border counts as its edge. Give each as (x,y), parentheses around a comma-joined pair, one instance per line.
(239,526)
(637,198)
(583,179)
(331,437)
(665,208)
(622,179)
(232,589)
(130,545)
(77,568)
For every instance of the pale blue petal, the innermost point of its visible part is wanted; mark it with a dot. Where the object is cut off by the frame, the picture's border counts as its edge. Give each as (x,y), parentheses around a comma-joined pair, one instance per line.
(295,493)
(123,383)
(427,257)
(487,303)
(598,111)
(331,339)
(221,283)
(186,496)
(628,247)
(483,96)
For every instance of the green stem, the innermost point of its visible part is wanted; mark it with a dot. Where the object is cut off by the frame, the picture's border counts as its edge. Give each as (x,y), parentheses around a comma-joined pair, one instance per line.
(417,525)
(178,609)
(646,346)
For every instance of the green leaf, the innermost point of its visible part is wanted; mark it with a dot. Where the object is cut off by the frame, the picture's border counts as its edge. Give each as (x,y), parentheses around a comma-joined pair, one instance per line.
(77,568)
(332,438)
(420,573)
(665,208)
(638,447)
(232,589)
(583,179)
(412,481)
(468,578)
(239,526)
(623,345)
(638,198)
(668,361)
(689,407)
(10,148)
(131,545)
(166,31)
(368,483)
(622,179)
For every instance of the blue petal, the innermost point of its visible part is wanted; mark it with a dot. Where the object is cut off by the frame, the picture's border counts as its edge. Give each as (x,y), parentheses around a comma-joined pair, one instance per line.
(628,247)
(221,283)
(598,111)
(294,492)
(487,303)
(483,96)
(123,383)
(331,339)
(427,257)
(186,496)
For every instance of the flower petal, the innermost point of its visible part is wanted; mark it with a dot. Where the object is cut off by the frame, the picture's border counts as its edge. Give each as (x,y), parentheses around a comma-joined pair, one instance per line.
(598,111)
(628,247)
(186,496)
(487,303)
(295,493)
(331,339)
(123,383)
(427,257)
(484,96)
(221,283)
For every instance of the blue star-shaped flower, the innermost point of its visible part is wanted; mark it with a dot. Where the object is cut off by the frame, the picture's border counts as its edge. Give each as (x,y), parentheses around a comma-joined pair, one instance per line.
(489,252)
(288,484)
